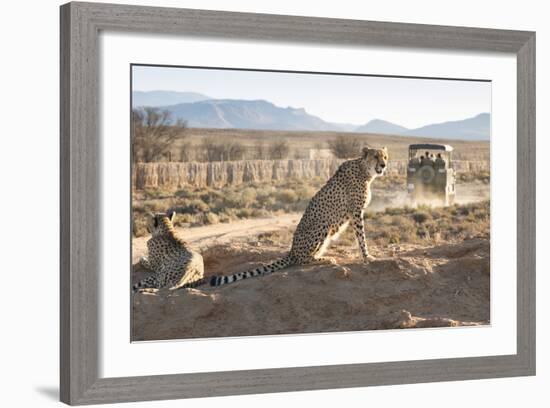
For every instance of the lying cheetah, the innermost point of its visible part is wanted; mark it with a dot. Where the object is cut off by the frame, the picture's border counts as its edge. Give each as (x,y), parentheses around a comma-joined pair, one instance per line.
(340,202)
(174,264)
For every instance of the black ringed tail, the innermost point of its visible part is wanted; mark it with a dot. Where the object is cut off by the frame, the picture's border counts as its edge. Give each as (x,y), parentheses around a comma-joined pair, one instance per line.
(152,282)
(260,271)
(194,284)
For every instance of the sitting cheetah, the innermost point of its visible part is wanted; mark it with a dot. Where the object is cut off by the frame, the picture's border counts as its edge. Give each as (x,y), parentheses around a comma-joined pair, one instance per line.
(341,201)
(174,264)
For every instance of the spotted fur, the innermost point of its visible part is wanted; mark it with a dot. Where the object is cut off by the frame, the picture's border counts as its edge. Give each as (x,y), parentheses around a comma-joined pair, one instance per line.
(339,203)
(174,263)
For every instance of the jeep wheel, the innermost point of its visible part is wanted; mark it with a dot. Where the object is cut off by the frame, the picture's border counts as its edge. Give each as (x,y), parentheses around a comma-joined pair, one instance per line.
(426,174)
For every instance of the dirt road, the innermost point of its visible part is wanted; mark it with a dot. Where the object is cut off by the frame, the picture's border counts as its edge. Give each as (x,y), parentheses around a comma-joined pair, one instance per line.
(220,234)
(207,236)
(472,192)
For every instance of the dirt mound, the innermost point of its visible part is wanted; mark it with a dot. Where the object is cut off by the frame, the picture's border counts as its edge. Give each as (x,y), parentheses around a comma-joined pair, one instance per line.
(447,285)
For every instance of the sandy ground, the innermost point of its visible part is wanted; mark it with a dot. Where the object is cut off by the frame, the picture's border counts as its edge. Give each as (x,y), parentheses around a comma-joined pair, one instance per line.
(406,287)
(472,192)
(447,285)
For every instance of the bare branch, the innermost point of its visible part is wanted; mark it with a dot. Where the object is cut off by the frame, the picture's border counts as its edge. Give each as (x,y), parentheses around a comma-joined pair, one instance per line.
(154,134)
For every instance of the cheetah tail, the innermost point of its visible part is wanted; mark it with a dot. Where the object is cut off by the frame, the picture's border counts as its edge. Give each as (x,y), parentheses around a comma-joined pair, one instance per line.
(150,282)
(194,284)
(261,271)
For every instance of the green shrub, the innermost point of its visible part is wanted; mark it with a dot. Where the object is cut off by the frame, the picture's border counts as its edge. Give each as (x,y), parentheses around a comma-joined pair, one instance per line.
(463,210)
(248,197)
(305,192)
(184,194)
(233,200)
(211,218)
(211,196)
(402,222)
(184,220)
(224,217)
(244,212)
(194,206)
(394,239)
(396,210)
(287,196)
(421,217)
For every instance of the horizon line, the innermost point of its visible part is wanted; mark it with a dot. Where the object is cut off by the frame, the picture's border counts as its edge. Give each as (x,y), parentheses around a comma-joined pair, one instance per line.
(292,107)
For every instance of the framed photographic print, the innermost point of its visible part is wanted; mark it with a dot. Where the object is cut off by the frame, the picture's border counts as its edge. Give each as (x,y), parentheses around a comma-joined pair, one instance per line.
(287,201)
(245,185)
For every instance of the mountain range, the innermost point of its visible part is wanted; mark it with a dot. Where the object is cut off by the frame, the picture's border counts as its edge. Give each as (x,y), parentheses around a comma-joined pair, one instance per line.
(165,98)
(381,126)
(200,111)
(246,114)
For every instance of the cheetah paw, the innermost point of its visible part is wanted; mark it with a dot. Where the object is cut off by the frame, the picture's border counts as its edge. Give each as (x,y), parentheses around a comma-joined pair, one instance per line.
(369,258)
(144,262)
(147,291)
(325,260)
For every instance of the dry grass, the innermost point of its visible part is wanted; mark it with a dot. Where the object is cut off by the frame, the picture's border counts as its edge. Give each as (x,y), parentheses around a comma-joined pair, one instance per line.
(423,226)
(483,177)
(203,206)
(426,225)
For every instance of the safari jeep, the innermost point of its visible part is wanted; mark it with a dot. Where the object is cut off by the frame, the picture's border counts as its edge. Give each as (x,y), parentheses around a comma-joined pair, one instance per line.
(430,175)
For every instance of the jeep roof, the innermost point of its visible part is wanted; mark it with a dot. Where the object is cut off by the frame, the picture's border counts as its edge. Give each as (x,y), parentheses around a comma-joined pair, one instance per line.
(431,146)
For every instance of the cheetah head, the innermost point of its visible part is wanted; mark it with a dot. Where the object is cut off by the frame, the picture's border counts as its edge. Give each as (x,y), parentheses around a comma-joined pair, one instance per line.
(376,160)
(160,223)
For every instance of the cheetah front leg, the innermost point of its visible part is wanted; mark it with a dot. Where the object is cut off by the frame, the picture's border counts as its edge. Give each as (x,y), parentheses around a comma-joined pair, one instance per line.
(153,283)
(359,228)
(144,262)
(322,260)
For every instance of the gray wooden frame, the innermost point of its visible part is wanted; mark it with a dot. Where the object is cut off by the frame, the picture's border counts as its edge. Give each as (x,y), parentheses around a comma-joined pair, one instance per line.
(80,234)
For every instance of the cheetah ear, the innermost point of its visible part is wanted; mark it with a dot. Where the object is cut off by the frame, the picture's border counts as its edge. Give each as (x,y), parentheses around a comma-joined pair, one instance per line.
(171,215)
(385,149)
(366,151)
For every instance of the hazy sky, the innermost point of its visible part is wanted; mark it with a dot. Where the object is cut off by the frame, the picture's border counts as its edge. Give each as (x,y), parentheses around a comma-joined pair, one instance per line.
(409,102)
